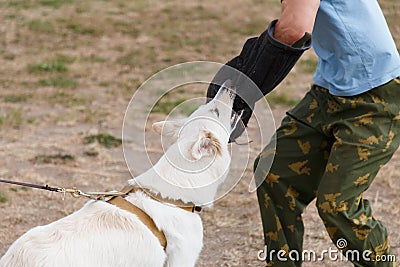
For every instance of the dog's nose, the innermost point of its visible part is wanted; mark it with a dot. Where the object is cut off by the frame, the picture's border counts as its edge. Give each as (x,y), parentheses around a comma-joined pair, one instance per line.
(227,85)
(226,91)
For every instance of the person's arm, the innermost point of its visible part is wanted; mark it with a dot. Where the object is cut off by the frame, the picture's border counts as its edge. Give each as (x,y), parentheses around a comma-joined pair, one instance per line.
(268,58)
(297,18)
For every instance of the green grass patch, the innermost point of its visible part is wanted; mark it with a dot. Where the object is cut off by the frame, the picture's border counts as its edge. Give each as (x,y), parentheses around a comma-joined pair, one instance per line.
(106,140)
(13,118)
(166,106)
(7,55)
(53,159)
(42,26)
(104,83)
(79,28)
(3,197)
(128,59)
(26,4)
(56,65)
(20,4)
(64,59)
(54,3)
(53,66)
(15,98)
(281,99)
(60,82)
(66,99)
(22,188)
(91,153)
(11,15)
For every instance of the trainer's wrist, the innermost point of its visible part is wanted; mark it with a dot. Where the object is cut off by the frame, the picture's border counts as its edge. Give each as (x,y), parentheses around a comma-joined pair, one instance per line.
(287,35)
(297,18)
(282,45)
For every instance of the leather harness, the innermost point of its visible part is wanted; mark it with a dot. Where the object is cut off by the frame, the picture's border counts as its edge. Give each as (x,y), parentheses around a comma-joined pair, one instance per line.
(122,203)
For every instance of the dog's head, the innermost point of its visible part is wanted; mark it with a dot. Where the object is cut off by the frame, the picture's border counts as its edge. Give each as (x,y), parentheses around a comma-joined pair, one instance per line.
(205,133)
(198,161)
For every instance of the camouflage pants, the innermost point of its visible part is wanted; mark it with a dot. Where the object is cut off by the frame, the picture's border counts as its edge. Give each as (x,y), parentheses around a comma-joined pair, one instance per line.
(329,148)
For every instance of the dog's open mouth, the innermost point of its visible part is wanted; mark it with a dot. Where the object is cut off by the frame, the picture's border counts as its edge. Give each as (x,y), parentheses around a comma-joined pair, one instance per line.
(235,118)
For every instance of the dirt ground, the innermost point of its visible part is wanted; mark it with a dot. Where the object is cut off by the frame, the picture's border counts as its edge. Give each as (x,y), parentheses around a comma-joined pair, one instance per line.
(68,70)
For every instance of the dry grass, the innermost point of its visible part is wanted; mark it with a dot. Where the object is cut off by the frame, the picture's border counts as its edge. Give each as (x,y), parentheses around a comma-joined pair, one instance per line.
(68,71)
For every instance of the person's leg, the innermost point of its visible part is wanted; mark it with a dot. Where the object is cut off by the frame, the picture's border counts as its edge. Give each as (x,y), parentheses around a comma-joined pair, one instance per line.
(366,130)
(291,183)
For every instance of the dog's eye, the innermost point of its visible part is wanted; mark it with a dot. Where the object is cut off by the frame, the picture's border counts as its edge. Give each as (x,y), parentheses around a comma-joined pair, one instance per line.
(216,111)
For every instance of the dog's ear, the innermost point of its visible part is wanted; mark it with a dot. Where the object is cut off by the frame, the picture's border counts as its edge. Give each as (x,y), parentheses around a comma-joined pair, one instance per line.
(168,128)
(206,145)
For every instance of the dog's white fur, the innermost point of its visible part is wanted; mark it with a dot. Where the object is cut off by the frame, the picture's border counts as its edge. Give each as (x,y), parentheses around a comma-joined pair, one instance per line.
(101,234)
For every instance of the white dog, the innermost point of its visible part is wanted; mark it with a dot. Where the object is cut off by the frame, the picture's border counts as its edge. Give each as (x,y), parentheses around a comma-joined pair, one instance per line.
(102,234)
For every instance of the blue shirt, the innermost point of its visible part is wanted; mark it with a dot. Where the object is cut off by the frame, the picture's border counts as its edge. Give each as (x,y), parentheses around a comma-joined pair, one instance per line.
(355,49)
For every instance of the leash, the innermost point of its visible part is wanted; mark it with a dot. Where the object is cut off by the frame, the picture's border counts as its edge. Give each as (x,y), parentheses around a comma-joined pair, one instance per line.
(76,193)
(117,199)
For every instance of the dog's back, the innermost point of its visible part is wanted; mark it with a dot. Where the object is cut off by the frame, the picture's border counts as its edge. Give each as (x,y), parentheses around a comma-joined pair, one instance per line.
(104,234)
(101,234)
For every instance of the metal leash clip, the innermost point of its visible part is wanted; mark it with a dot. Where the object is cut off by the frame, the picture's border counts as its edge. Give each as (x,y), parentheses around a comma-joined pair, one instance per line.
(74,192)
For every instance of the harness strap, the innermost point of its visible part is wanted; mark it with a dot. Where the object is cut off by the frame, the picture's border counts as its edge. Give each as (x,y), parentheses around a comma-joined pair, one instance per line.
(124,204)
(190,207)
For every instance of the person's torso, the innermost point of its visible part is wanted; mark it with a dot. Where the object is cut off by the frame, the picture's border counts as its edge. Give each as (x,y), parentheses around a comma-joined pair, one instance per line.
(355,49)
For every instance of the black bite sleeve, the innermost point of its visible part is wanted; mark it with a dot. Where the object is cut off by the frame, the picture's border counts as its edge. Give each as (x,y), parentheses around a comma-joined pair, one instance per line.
(261,65)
